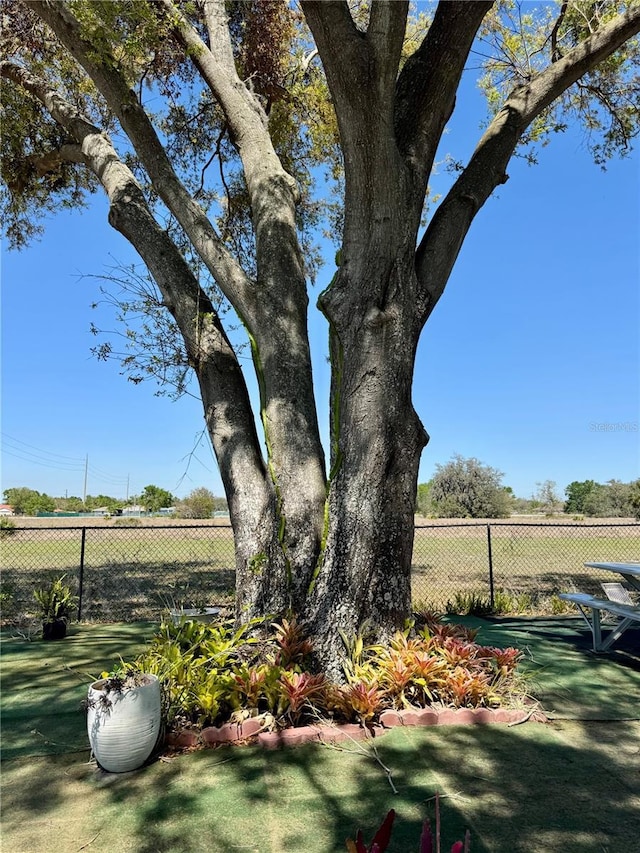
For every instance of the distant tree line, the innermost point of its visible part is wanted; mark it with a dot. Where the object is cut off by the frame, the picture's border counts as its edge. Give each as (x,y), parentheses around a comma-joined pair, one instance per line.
(612,499)
(461,488)
(466,488)
(200,503)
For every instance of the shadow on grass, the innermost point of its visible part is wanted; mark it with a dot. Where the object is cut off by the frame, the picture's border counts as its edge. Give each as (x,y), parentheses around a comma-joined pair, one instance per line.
(525,789)
(129,589)
(570,679)
(570,786)
(144,590)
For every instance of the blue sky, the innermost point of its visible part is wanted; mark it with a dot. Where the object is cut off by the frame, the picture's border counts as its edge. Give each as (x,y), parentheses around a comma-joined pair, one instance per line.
(530,363)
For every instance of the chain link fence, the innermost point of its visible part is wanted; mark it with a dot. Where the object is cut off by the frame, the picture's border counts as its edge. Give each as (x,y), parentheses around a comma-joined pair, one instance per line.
(119,573)
(515,566)
(133,573)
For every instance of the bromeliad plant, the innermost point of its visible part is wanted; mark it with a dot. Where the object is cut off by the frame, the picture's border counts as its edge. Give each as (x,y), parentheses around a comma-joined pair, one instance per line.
(429,842)
(218,672)
(56,603)
(434,664)
(214,672)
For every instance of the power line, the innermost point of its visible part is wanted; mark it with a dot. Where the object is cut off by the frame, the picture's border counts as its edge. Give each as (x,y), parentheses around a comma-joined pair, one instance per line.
(96,478)
(39,450)
(42,463)
(58,462)
(99,474)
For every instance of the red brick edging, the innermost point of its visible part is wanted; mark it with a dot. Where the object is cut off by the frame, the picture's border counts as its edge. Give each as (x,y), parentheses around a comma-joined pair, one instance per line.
(327,733)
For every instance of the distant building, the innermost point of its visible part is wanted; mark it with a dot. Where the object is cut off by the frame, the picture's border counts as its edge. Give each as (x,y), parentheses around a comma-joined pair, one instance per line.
(5,509)
(134,511)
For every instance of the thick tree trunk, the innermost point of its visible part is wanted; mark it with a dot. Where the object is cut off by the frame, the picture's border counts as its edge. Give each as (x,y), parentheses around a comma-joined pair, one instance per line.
(366,569)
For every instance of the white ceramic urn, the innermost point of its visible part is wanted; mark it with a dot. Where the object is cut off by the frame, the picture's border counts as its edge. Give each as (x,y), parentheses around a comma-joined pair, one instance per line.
(124,726)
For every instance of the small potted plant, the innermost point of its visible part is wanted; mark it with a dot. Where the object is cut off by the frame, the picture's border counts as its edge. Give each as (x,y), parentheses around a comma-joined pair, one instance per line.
(124,716)
(56,604)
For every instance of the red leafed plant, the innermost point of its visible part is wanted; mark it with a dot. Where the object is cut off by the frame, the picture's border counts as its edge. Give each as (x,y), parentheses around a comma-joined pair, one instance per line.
(299,689)
(294,646)
(380,839)
(506,659)
(429,843)
(466,688)
(363,699)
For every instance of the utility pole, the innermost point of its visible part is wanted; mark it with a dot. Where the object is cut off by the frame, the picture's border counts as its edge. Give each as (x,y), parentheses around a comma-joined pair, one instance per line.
(86,471)
(127,487)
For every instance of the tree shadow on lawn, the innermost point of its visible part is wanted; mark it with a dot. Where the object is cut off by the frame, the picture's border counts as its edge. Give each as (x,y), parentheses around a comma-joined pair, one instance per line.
(570,631)
(145,590)
(44,683)
(518,790)
(571,786)
(544,584)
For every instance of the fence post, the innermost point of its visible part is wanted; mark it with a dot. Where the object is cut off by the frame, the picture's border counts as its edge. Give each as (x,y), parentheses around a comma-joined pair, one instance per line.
(491,597)
(81,578)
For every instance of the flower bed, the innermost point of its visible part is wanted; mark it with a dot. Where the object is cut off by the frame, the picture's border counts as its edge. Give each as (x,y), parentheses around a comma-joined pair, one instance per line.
(223,684)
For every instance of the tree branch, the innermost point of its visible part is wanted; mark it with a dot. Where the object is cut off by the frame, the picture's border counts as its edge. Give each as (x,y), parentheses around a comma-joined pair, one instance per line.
(426,88)
(52,160)
(385,35)
(245,117)
(280,343)
(124,104)
(556,53)
(331,23)
(224,394)
(362,73)
(486,169)
(361,70)
(272,190)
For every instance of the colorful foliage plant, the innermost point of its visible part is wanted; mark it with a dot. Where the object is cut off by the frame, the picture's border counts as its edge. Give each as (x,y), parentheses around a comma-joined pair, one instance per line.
(213,673)
(429,841)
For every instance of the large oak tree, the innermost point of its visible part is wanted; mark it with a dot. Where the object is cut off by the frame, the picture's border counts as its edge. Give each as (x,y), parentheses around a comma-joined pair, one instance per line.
(243,87)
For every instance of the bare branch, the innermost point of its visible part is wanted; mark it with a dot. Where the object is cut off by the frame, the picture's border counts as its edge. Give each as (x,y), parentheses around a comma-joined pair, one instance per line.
(52,160)
(555,50)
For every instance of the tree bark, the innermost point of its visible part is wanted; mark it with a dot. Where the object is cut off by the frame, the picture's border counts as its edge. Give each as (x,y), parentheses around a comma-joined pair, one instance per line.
(366,569)
(371,305)
(274,307)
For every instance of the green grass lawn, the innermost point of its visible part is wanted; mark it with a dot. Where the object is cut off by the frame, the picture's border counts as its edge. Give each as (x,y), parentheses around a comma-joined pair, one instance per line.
(572,785)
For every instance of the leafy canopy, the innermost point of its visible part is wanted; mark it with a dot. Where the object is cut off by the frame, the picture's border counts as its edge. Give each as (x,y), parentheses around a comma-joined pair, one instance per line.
(153,498)
(25,501)
(275,55)
(276,58)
